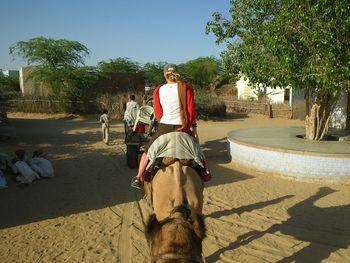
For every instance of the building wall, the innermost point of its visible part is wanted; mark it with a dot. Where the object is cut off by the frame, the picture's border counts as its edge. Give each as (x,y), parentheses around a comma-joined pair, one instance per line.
(114,83)
(275,95)
(118,82)
(247,92)
(338,120)
(244,91)
(27,85)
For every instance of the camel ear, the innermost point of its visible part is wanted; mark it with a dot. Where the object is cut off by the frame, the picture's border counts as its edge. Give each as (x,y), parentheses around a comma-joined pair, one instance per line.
(199,227)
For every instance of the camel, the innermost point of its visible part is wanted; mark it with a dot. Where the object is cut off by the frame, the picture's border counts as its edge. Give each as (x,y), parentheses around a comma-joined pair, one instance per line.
(176,229)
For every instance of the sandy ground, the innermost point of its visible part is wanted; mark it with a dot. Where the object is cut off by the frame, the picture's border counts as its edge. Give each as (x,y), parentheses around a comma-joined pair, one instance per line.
(88,212)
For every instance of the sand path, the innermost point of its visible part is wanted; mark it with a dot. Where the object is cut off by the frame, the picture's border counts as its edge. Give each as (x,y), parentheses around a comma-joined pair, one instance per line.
(88,212)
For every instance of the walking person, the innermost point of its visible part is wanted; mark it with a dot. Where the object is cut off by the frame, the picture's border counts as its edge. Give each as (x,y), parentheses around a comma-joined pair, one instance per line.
(132,107)
(104,120)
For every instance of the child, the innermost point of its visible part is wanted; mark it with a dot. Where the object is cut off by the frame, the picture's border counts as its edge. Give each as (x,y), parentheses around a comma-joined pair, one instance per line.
(25,174)
(41,165)
(104,119)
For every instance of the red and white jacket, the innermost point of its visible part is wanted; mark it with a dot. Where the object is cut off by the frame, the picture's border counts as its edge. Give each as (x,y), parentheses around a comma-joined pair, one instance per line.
(190,106)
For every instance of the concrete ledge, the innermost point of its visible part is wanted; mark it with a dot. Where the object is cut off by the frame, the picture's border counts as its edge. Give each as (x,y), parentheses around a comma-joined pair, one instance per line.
(294,163)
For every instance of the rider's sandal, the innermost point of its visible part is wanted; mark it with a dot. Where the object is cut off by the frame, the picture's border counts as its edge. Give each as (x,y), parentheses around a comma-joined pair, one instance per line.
(207,176)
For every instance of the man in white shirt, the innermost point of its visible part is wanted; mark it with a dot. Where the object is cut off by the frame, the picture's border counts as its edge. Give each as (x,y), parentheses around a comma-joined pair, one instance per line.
(131,110)
(41,165)
(20,167)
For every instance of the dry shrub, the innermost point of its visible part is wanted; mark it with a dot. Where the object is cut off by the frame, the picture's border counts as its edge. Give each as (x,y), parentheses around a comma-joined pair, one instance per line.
(227,90)
(208,105)
(34,104)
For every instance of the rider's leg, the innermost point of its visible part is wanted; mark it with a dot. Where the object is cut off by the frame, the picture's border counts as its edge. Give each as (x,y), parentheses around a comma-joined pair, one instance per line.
(142,166)
(162,129)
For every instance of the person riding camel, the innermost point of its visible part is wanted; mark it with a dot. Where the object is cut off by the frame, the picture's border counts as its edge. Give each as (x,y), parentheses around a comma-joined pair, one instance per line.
(175,111)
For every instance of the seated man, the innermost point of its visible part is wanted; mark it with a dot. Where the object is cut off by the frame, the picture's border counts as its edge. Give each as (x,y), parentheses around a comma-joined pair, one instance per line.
(41,165)
(25,174)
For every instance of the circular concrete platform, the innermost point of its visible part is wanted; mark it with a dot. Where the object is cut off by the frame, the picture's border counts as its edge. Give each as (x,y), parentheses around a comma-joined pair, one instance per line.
(277,150)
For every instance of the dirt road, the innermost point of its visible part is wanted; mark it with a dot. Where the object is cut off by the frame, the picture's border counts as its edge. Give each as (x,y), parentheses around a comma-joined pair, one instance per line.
(88,212)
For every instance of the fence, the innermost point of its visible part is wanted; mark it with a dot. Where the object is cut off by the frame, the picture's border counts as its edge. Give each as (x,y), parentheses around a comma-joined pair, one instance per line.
(263,107)
(34,105)
(283,111)
(113,103)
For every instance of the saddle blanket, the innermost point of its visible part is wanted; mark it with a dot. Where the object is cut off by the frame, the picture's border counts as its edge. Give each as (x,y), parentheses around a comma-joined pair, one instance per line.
(179,145)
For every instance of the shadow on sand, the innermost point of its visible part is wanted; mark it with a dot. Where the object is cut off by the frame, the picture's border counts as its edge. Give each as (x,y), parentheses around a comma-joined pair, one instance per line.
(89,175)
(308,223)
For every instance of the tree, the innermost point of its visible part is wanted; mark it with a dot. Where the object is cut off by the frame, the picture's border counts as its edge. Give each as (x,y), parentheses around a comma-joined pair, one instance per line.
(304,44)
(8,88)
(59,65)
(154,73)
(70,85)
(125,65)
(202,72)
(48,52)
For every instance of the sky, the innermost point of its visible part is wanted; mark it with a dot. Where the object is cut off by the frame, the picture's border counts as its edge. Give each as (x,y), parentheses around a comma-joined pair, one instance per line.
(142,30)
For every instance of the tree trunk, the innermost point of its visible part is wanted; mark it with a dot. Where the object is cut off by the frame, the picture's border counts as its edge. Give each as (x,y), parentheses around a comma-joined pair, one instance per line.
(317,121)
(348,112)
(307,101)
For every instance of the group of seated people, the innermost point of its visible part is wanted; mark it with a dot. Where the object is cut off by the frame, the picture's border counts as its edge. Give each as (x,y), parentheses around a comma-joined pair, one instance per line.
(28,170)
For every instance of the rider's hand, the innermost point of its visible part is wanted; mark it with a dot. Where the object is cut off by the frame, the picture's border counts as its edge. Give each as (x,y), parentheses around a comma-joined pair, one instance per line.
(195,134)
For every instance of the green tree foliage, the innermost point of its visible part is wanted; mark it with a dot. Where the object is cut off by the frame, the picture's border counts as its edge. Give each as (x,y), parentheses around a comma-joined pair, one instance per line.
(70,85)
(48,52)
(58,64)
(8,85)
(125,65)
(305,44)
(202,72)
(208,106)
(154,73)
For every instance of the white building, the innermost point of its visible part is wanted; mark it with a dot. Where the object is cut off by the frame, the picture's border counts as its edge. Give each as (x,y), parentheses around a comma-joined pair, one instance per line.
(292,97)
(9,73)
(274,95)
